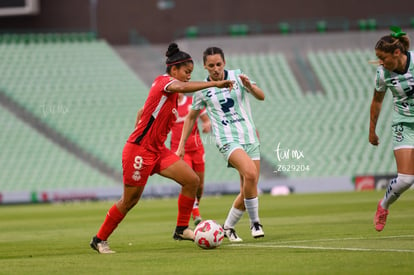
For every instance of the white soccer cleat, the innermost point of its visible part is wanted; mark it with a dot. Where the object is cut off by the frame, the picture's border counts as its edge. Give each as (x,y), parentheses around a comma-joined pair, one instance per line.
(101,246)
(187,234)
(257,230)
(231,234)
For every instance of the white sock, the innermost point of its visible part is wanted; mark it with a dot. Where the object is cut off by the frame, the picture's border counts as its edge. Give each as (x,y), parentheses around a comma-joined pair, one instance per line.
(233,217)
(252,207)
(195,204)
(396,187)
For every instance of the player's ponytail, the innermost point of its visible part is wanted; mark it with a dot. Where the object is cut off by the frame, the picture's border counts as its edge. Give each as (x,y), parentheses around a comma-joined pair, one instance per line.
(396,40)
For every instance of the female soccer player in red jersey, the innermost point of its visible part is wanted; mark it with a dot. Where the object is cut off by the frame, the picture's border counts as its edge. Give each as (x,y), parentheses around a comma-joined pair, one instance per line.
(145,153)
(194,149)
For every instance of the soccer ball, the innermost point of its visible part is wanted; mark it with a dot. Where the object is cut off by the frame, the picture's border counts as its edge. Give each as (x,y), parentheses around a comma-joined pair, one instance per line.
(208,234)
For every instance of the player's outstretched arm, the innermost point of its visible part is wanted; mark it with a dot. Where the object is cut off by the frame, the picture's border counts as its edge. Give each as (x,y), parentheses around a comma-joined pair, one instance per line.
(193,86)
(252,88)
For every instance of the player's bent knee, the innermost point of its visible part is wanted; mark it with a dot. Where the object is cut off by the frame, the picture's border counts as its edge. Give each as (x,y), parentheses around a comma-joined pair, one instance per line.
(191,180)
(250,176)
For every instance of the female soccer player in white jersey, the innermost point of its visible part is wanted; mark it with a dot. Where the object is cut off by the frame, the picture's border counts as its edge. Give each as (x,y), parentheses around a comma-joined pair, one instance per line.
(396,73)
(145,153)
(235,133)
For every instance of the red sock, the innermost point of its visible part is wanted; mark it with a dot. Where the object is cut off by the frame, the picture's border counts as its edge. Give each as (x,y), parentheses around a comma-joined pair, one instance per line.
(113,218)
(185,205)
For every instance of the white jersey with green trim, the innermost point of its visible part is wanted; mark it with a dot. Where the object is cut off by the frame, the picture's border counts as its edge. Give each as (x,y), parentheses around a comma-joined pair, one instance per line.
(402,88)
(229,111)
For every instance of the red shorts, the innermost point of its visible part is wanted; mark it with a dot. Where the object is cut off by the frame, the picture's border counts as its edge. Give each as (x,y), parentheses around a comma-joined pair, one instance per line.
(138,163)
(195,159)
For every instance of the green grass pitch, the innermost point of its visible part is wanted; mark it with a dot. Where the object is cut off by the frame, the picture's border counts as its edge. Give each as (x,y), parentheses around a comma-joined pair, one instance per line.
(304,234)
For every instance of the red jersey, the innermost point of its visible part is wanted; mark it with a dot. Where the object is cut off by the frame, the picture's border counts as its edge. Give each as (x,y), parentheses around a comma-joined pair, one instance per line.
(194,141)
(158,116)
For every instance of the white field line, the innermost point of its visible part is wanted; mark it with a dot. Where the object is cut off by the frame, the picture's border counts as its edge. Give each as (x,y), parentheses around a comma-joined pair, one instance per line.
(290,244)
(347,239)
(326,248)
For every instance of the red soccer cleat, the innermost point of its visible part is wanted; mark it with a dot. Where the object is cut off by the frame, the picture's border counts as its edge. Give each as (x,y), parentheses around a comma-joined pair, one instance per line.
(380,217)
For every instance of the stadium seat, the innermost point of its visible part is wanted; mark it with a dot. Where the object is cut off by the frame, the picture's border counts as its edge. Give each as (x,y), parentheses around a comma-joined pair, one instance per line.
(191,32)
(362,24)
(371,24)
(284,27)
(238,29)
(321,26)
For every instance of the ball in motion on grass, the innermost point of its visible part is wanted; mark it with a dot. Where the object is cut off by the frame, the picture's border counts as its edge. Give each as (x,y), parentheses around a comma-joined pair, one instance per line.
(208,234)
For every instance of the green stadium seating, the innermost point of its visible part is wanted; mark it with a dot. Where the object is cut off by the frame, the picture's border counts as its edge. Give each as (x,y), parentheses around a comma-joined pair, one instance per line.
(82,90)
(28,38)
(77,86)
(31,162)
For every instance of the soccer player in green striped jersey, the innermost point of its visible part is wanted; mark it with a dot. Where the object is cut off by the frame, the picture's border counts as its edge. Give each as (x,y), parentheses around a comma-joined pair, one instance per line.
(235,134)
(395,73)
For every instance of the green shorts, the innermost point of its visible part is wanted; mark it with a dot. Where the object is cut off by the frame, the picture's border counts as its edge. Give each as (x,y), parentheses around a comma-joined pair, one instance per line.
(253,150)
(403,135)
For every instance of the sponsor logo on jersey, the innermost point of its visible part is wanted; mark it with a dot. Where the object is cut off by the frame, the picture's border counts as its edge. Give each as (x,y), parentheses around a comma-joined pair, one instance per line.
(224,148)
